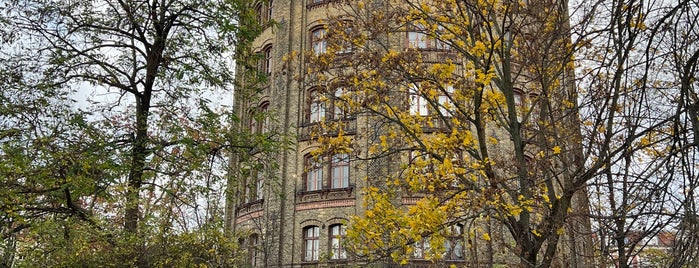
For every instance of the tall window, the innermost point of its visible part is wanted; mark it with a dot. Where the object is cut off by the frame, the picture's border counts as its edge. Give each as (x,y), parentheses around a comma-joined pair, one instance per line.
(259,185)
(316,106)
(340,171)
(418,103)
(337,236)
(267,63)
(346,46)
(269,9)
(446,107)
(253,243)
(311,236)
(339,109)
(454,244)
(264,111)
(259,13)
(318,42)
(314,174)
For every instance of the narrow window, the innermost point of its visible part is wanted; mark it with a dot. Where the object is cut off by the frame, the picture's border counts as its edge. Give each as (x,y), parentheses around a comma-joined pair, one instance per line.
(337,236)
(346,46)
(269,9)
(340,171)
(311,237)
(260,15)
(264,111)
(267,64)
(316,106)
(338,104)
(253,243)
(318,41)
(314,174)
(259,185)
(446,107)
(418,104)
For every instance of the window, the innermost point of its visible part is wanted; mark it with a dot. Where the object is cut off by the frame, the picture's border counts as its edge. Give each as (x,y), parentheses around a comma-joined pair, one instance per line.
(339,105)
(253,243)
(340,171)
(254,187)
(318,42)
(311,237)
(314,173)
(263,11)
(419,38)
(259,185)
(454,243)
(316,106)
(420,248)
(338,167)
(264,111)
(446,107)
(418,104)
(346,46)
(337,236)
(266,67)
(269,9)
(259,14)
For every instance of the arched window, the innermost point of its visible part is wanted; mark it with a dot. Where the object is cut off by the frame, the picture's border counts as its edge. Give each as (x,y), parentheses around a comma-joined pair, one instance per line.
(318,42)
(264,123)
(337,237)
(311,239)
(266,67)
(270,12)
(260,15)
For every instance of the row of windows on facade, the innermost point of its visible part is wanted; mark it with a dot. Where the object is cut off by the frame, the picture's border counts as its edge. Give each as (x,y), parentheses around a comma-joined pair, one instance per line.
(336,237)
(338,169)
(320,107)
(453,244)
(319,45)
(311,242)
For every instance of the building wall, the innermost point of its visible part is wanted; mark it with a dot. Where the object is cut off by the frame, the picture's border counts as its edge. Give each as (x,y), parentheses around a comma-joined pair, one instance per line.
(279,218)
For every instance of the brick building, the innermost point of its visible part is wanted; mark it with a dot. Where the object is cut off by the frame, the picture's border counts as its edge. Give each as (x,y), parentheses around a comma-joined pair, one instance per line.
(296,219)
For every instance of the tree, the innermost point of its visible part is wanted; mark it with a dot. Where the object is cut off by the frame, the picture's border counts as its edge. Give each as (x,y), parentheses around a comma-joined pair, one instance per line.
(146,151)
(493,127)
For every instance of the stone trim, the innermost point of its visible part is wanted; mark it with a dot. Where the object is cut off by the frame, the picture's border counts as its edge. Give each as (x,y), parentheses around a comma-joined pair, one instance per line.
(325,204)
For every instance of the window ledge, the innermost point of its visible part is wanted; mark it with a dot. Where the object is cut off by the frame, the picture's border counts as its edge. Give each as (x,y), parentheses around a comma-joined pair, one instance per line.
(312,5)
(250,207)
(325,194)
